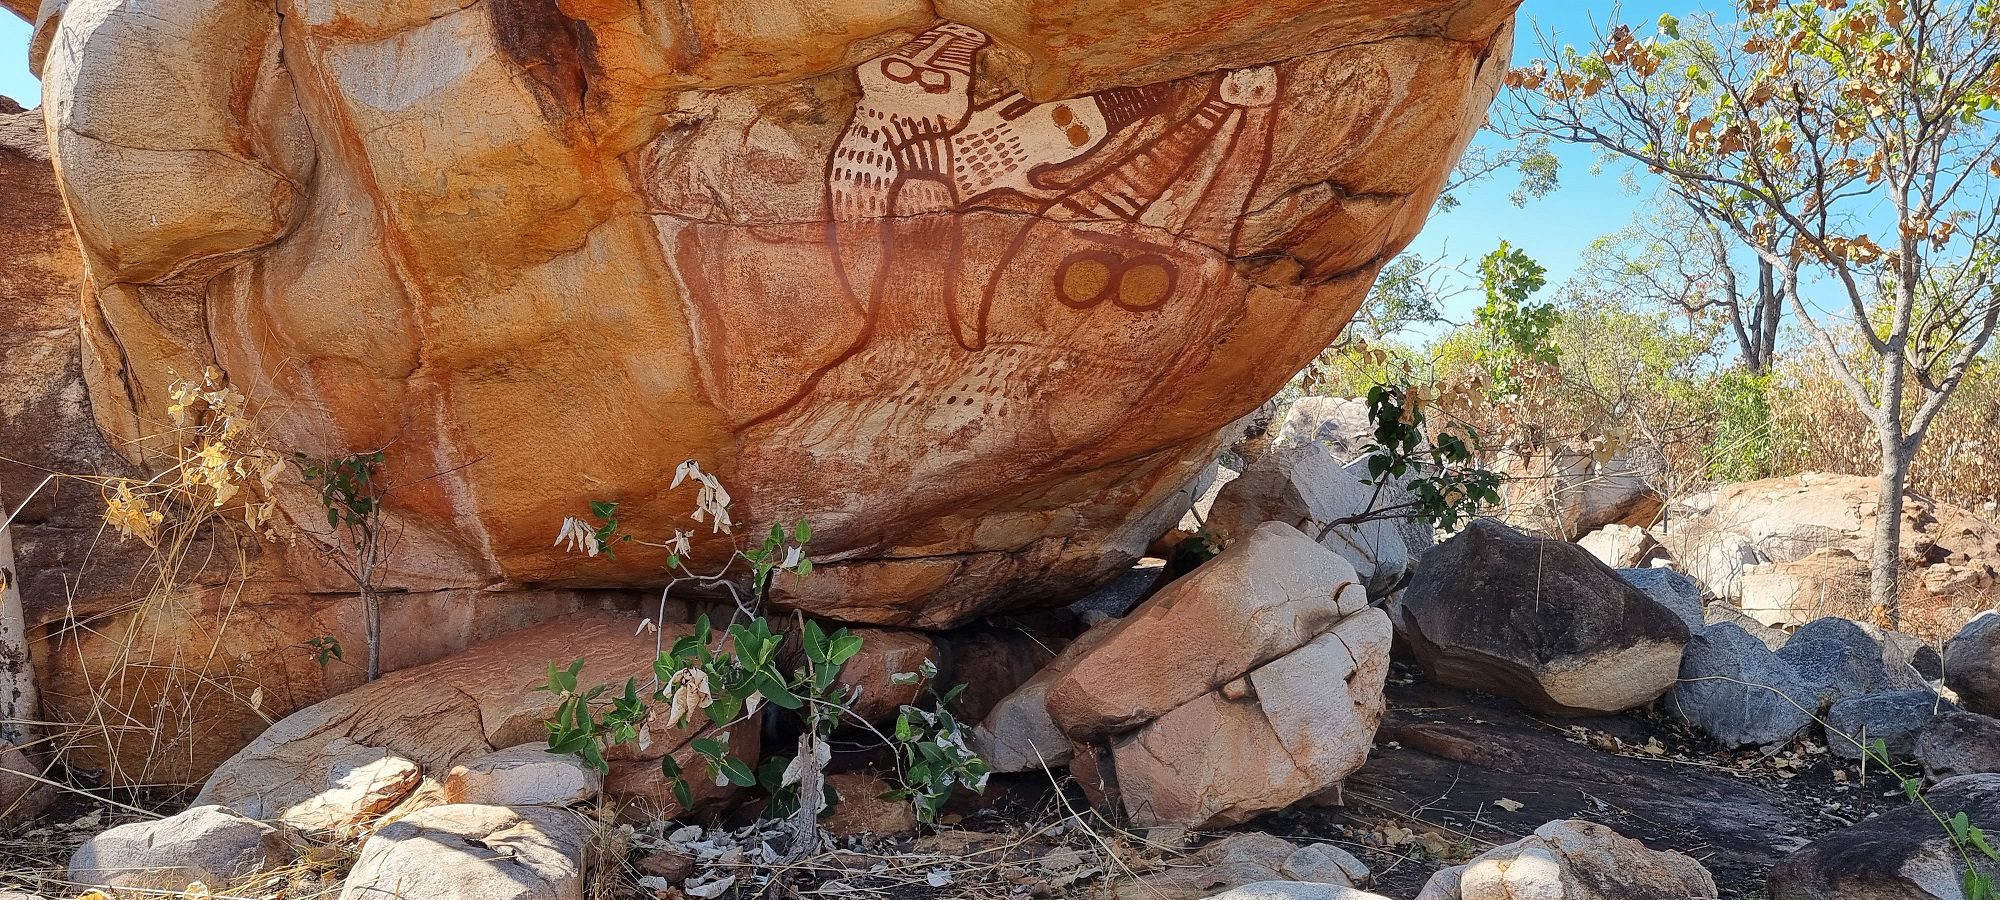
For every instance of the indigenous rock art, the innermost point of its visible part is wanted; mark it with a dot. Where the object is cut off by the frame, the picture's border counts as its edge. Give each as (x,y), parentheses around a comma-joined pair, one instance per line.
(974,288)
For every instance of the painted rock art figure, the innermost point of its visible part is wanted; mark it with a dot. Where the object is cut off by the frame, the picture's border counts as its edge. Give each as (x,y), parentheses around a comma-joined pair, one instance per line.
(977,297)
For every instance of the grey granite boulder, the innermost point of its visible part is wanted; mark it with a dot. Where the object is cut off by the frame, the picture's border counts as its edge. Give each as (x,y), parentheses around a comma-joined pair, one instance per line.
(1672,590)
(1972,664)
(1892,717)
(1957,742)
(1838,659)
(1736,690)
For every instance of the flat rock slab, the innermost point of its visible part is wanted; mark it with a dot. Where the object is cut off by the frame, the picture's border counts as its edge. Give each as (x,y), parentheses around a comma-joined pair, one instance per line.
(1443,757)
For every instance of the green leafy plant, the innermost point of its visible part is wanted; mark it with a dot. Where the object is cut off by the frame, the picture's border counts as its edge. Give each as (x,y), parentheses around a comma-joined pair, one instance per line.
(350,491)
(932,749)
(721,678)
(1968,841)
(325,649)
(1439,468)
(1517,333)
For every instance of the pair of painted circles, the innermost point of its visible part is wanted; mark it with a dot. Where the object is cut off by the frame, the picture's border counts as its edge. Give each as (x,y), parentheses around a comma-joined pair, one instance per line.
(1089,277)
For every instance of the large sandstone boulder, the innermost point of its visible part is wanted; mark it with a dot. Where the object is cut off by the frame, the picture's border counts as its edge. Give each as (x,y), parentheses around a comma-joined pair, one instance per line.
(912,271)
(461,709)
(1266,596)
(1538,620)
(1573,860)
(1249,685)
(1900,855)
(1972,664)
(1796,548)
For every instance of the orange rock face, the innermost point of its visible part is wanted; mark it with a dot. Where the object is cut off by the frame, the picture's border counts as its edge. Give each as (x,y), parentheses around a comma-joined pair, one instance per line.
(972,287)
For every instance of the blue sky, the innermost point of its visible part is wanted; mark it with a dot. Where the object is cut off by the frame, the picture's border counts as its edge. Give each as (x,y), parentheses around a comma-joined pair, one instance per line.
(1554,230)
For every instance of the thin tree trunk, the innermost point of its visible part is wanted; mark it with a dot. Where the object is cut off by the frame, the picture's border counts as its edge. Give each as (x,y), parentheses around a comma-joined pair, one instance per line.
(19,702)
(1885,562)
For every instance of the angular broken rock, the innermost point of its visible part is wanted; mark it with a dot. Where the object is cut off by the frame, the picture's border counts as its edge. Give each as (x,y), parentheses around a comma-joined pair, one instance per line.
(1623,546)
(1573,860)
(209,844)
(1268,594)
(1899,855)
(1972,664)
(1895,718)
(1957,742)
(1736,690)
(1307,488)
(524,775)
(1019,735)
(473,852)
(340,785)
(1308,722)
(1538,620)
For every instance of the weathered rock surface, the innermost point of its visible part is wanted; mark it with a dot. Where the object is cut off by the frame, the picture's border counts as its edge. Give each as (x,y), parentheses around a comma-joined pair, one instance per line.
(22,795)
(1956,742)
(342,784)
(1438,742)
(1972,664)
(1573,860)
(1736,690)
(1019,735)
(1538,620)
(525,775)
(1307,488)
(886,653)
(1895,718)
(1251,861)
(1292,729)
(911,270)
(1672,590)
(1271,593)
(1246,686)
(1295,890)
(1899,855)
(467,706)
(208,844)
(1566,493)
(1838,659)
(1785,520)
(1337,425)
(475,853)
(1623,546)
(863,811)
